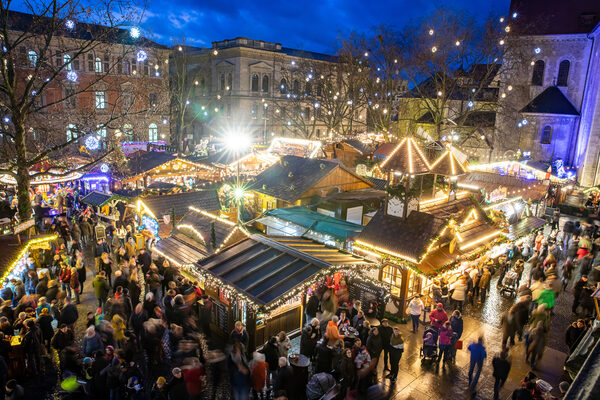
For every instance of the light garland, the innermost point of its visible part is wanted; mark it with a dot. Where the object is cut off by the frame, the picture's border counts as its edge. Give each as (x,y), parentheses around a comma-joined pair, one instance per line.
(141,205)
(190,227)
(213,216)
(24,251)
(176,263)
(481,239)
(390,252)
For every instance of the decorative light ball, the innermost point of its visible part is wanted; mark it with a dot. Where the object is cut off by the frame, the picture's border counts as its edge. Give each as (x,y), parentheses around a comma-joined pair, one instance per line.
(165,121)
(470,104)
(503,95)
(520,125)
(180,48)
(366,54)
(215,52)
(502,42)
(515,15)
(104,168)
(293,62)
(135,32)
(507,29)
(72,76)
(289,123)
(524,122)
(433,49)
(70,24)
(216,109)
(457,43)
(317,105)
(537,50)
(473,90)
(501,19)
(142,56)
(439,93)
(6,120)
(157,74)
(533,63)
(187,102)
(509,87)
(431,32)
(92,143)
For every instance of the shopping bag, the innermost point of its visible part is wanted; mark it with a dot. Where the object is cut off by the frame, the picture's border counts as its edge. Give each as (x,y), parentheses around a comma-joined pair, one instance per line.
(459,345)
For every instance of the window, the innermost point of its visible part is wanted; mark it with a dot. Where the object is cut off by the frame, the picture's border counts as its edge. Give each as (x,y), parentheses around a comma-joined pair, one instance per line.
(319,88)
(67,61)
(146,68)
(90,62)
(563,73)
(283,86)
(71,132)
(307,113)
(153,133)
(296,87)
(33,58)
(133,66)
(98,65)
(308,88)
(222,80)
(229,82)
(75,64)
(106,63)
(70,98)
(152,100)
(101,132)
(254,85)
(127,100)
(100,100)
(265,84)
(59,59)
(125,65)
(546,135)
(537,77)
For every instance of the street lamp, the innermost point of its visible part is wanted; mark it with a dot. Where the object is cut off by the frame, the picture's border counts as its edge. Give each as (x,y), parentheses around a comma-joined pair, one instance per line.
(237,142)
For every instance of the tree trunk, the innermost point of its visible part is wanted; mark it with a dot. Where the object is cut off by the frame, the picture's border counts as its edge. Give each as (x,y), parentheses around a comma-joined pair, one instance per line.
(179,136)
(22,172)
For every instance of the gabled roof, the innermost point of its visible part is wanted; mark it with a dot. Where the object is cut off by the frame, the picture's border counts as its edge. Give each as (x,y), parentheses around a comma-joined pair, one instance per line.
(384,150)
(550,101)
(163,205)
(361,147)
(313,221)
(224,157)
(448,164)
(292,176)
(96,198)
(380,184)
(407,158)
(148,161)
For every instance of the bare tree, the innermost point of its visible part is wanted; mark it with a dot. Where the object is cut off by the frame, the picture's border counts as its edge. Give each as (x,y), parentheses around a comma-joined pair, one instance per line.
(62,85)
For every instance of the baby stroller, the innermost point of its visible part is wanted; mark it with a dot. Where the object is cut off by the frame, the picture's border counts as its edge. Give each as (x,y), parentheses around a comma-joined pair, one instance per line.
(510,283)
(429,351)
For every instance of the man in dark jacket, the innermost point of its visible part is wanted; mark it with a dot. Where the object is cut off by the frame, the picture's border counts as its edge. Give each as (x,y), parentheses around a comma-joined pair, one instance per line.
(284,379)
(101,288)
(144,259)
(574,334)
(62,338)
(312,306)
(374,343)
(577,289)
(310,337)
(385,331)
(501,369)
(176,389)
(68,313)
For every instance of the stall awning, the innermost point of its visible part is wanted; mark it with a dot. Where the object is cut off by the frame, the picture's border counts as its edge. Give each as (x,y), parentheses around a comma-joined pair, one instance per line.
(328,254)
(181,250)
(97,199)
(180,202)
(304,220)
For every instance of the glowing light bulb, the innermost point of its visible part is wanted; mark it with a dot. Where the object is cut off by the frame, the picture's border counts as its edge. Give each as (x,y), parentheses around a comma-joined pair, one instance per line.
(537,50)
(457,43)
(135,32)
(433,49)
(431,32)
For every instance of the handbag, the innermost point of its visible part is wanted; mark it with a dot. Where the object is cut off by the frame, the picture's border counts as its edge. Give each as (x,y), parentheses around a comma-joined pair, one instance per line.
(407,311)
(459,345)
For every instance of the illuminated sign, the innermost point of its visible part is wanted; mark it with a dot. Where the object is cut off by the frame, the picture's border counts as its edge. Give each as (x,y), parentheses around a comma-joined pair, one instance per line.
(151,224)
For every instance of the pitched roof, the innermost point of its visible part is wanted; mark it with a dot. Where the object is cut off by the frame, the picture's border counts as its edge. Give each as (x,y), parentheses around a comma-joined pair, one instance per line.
(265,269)
(26,22)
(553,17)
(148,161)
(292,176)
(361,147)
(224,157)
(323,252)
(550,101)
(384,150)
(406,158)
(448,164)
(380,184)
(312,222)
(96,198)
(163,205)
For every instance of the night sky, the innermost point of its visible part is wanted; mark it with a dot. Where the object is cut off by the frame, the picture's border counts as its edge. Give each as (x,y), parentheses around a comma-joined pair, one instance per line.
(307,25)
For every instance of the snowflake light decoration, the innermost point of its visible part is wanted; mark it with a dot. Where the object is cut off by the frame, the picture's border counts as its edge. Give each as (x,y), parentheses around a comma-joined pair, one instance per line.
(142,56)
(72,76)
(70,24)
(135,32)
(104,168)
(92,143)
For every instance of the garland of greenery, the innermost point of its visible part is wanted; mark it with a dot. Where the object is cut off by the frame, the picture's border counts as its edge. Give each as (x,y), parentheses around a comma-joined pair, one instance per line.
(400,192)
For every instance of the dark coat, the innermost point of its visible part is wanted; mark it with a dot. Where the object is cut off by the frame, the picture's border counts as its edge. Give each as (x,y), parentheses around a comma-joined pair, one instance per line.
(308,340)
(69,314)
(501,368)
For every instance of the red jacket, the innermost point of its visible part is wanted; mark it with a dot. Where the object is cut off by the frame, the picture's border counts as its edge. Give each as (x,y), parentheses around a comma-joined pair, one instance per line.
(438,318)
(64,275)
(445,335)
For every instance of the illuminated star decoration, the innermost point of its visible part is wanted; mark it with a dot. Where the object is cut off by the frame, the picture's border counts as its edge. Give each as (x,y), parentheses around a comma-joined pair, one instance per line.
(142,56)
(92,143)
(135,32)
(103,167)
(70,24)
(72,76)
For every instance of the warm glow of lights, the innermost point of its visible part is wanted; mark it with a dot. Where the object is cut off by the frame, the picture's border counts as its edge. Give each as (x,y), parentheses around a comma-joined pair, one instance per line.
(213,216)
(387,251)
(481,239)
(190,227)
(143,207)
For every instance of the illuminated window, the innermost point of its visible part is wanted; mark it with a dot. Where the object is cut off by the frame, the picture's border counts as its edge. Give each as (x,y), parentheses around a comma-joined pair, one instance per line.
(153,133)
(33,58)
(67,62)
(283,86)
(71,132)
(98,65)
(100,100)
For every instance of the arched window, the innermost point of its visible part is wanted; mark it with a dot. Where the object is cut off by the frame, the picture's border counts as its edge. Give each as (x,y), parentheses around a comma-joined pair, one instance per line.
(546,135)
(128,129)
(153,133)
(283,86)
(307,113)
(222,81)
(296,87)
(254,83)
(537,77)
(265,84)
(71,132)
(67,62)
(563,73)
(308,88)
(98,65)
(319,88)
(229,82)
(33,58)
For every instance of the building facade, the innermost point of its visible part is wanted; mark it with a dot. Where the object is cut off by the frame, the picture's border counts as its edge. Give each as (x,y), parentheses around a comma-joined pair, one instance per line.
(267,89)
(554,86)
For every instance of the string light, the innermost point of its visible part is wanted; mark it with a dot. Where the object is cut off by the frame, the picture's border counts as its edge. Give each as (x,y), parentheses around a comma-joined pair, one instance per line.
(24,252)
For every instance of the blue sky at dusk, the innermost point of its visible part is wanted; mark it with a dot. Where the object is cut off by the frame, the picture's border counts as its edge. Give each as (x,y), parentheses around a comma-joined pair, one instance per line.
(306,25)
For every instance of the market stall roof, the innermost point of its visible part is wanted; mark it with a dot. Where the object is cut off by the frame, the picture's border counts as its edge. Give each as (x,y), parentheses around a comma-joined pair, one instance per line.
(328,254)
(311,221)
(163,205)
(147,161)
(380,184)
(407,158)
(225,157)
(360,194)
(384,150)
(448,164)
(490,181)
(96,198)
(293,176)
(192,239)
(524,227)
(362,148)
(262,268)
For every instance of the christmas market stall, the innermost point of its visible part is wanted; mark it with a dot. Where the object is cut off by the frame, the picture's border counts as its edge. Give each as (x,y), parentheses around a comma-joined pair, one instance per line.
(300,221)
(284,146)
(263,283)
(198,235)
(165,167)
(350,151)
(295,181)
(160,214)
(109,207)
(250,163)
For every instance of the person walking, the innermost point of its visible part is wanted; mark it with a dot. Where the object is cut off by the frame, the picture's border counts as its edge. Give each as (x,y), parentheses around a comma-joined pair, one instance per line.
(478,356)
(501,366)
(101,288)
(459,293)
(416,307)
(396,350)
(444,342)
(484,284)
(385,331)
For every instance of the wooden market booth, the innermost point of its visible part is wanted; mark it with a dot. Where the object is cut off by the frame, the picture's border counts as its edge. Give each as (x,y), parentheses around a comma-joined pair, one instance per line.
(262,282)
(165,167)
(250,163)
